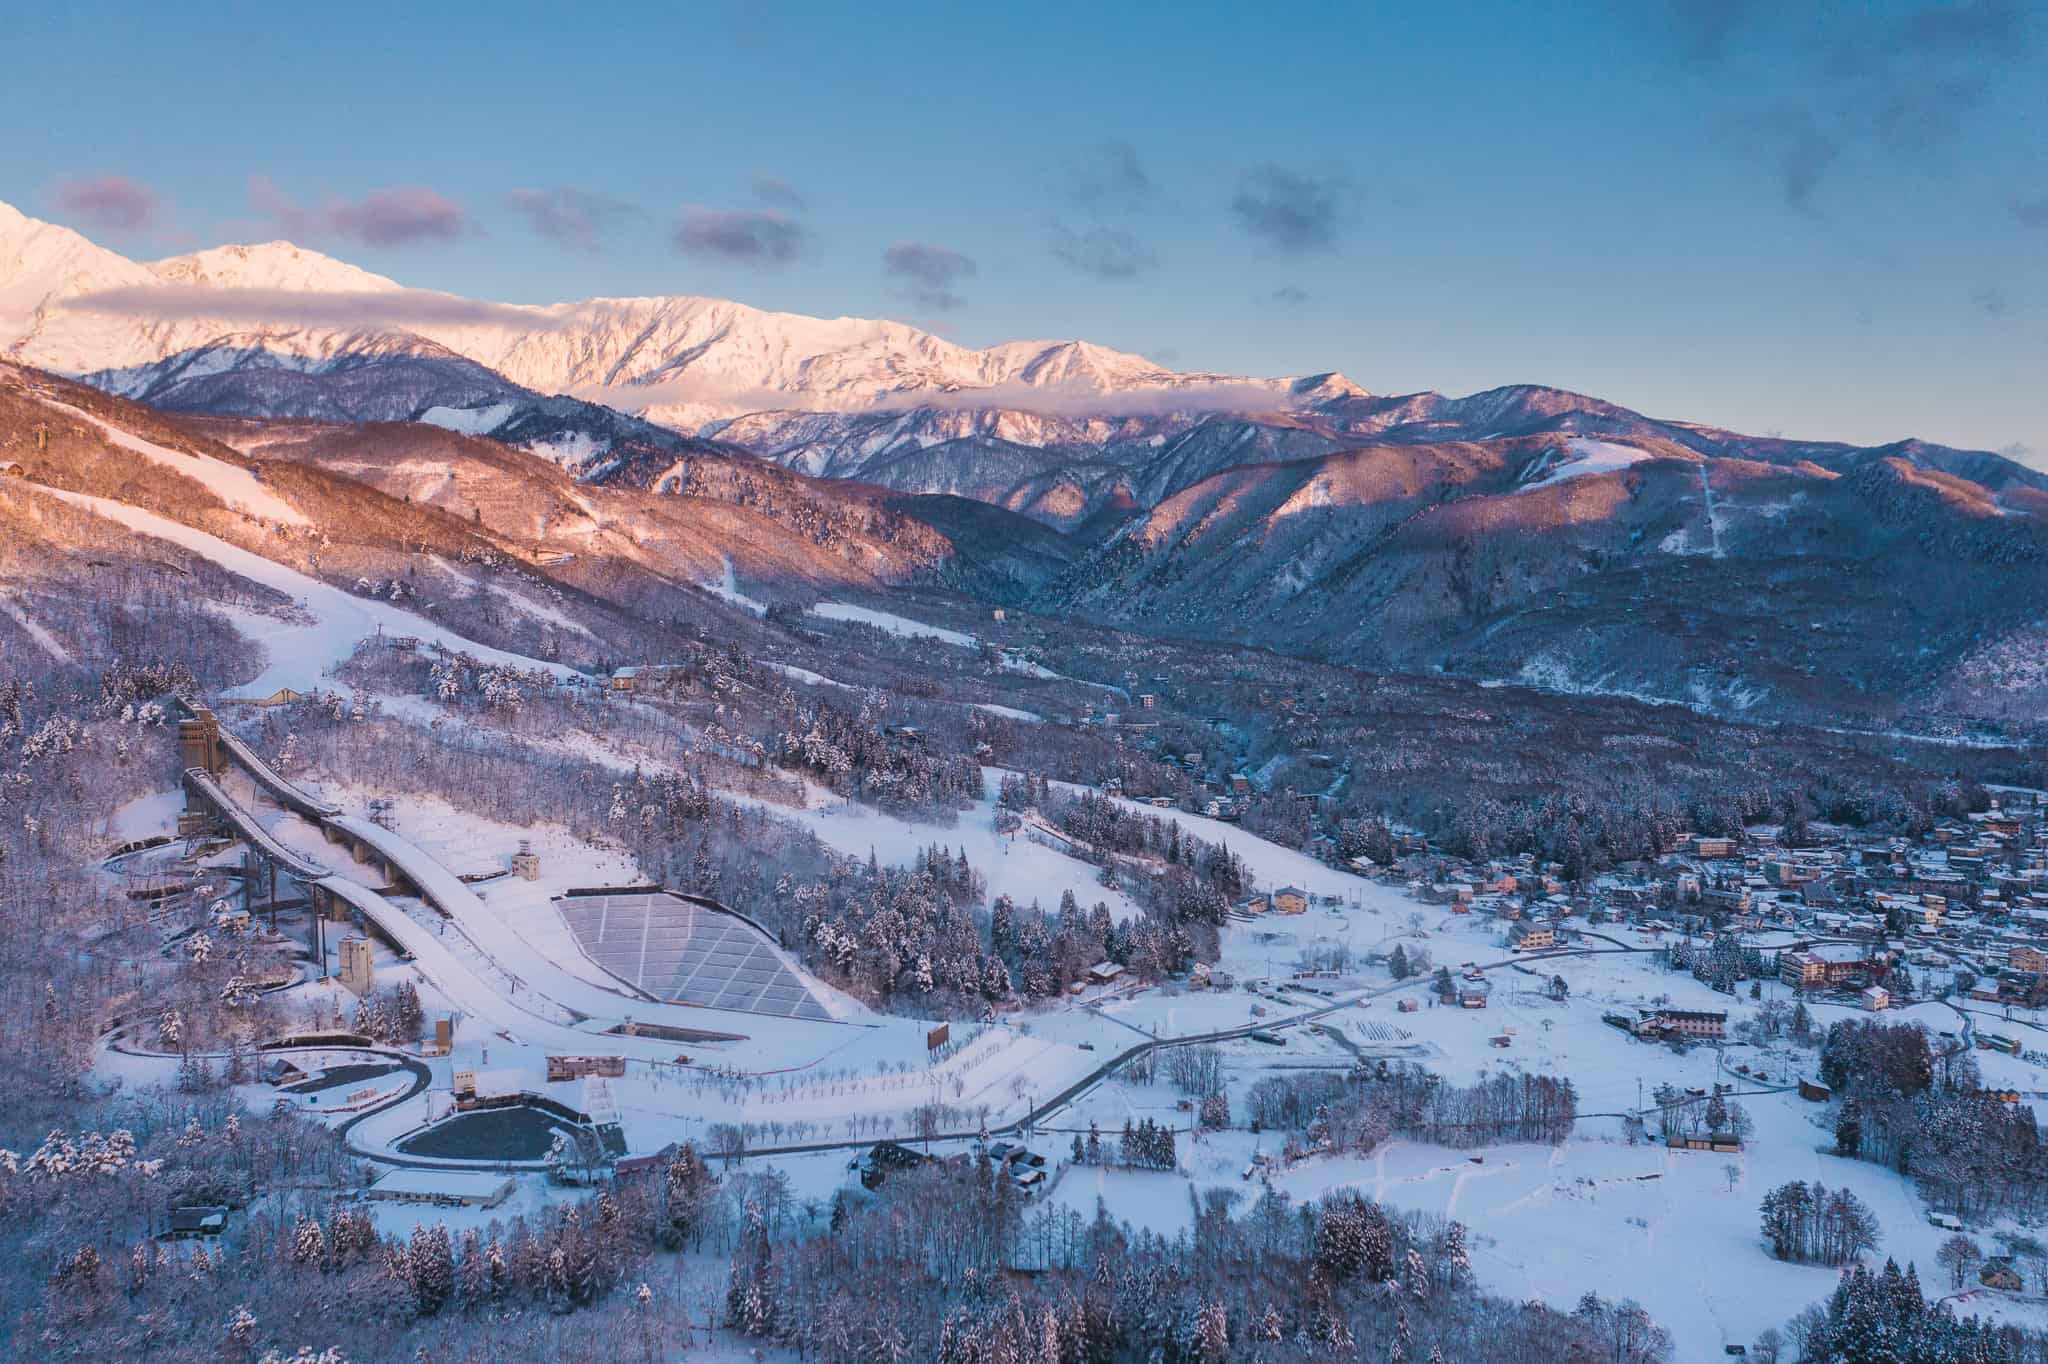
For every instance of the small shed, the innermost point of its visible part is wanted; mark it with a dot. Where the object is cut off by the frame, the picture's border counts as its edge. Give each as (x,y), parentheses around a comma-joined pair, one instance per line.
(1999,1272)
(278,1071)
(196,1221)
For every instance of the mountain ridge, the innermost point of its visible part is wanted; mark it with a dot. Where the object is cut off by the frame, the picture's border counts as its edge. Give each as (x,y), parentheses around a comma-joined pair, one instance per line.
(847,397)
(1520,533)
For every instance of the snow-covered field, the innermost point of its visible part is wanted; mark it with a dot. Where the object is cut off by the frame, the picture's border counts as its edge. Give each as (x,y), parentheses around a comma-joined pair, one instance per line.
(892,624)
(1589,457)
(1594,1214)
(1010,712)
(906,628)
(468,421)
(807,677)
(1013,864)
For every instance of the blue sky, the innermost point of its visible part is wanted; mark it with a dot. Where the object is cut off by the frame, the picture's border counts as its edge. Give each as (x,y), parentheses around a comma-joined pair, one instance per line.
(1826,220)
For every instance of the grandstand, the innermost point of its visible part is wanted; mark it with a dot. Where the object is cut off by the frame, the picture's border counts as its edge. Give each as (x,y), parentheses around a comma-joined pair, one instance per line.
(688,951)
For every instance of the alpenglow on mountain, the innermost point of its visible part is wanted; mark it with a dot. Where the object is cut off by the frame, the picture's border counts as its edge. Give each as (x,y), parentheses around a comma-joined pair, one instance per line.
(1058,430)
(1523,533)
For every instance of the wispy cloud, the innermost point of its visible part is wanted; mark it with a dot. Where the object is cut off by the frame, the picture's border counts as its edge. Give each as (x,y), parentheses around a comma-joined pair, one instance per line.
(778,193)
(1828,86)
(1976,28)
(1293,212)
(2031,210)
(742,235)
(109,203)
(576,218)
(1105,252)
(928,272)
(1109,178)
(269,201)
(1922,118)
(368,309)
(1791,139)
(1105,189)
(1289,295)
(1702,31)
(401,215)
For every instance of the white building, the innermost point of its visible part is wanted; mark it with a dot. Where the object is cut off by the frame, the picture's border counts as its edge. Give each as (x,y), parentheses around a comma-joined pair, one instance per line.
(452,1188)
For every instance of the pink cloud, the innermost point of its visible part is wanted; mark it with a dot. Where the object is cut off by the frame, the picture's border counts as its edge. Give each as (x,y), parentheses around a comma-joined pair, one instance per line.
(109,203)
(574,217)
(399,216)
(402,215)
(751,236)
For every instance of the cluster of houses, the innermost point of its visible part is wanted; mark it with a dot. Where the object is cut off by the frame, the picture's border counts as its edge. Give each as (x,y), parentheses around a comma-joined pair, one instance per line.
(1214,799)
(1285,900)
(1847,915)
(1510,890)
(1024,1168)
(1968,900)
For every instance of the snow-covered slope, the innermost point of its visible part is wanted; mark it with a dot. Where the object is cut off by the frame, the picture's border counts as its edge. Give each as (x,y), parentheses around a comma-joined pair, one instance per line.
(43,265)
(1067,432)
(689,360)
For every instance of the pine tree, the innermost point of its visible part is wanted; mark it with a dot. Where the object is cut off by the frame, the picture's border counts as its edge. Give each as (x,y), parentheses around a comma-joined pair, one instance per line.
(1457,1259)
(407,1016)
(1212,1334)
(689,1189)
(750,1305)
(309,1245)
(472,1271)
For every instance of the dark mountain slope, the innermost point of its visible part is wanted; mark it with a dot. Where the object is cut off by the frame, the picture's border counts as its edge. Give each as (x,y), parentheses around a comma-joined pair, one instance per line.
(1730,583)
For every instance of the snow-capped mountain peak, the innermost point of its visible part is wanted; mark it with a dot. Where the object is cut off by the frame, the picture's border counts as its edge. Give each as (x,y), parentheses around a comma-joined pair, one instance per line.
(1060,429)
(687,361)
(269,265)
(41,262)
